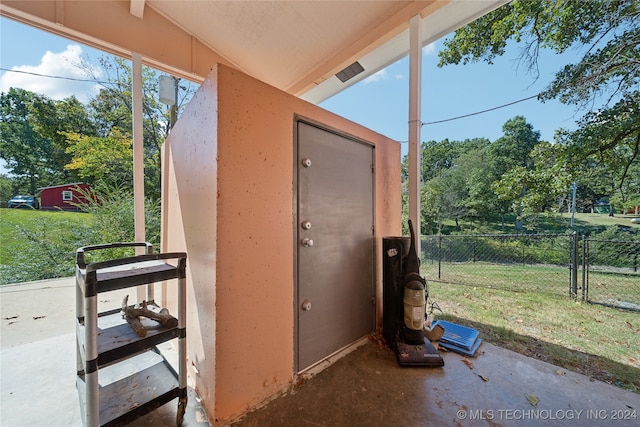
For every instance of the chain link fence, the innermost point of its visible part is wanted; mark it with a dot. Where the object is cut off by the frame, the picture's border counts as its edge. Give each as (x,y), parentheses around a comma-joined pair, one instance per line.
(611,274)
(567,265)
(513,262)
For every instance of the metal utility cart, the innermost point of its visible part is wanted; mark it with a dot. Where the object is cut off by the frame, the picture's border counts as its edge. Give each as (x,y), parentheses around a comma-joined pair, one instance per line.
(122,375)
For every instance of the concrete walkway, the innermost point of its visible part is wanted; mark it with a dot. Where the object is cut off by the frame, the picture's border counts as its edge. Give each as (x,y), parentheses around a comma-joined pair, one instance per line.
(364,388)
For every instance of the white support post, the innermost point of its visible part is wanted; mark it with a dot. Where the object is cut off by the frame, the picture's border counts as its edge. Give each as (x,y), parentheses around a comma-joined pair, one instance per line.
(415,92)
(138,163)
(138,150)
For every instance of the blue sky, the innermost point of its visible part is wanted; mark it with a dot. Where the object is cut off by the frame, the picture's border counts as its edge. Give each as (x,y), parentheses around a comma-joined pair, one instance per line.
(379,102)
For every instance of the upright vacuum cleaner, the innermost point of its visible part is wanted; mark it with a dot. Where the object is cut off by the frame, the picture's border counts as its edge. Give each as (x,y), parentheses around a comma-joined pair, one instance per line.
(405,295)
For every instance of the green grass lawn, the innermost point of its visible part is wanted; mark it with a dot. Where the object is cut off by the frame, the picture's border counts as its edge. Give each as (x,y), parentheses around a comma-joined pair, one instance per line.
(539,279)
(519,313)
(19,228)
(589,219)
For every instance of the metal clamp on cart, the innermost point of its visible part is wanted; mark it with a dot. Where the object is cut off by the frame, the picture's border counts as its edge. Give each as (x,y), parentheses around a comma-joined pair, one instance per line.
(122,374)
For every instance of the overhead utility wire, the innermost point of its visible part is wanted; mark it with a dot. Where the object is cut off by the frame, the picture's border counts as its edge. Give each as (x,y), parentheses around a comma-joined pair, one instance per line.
(58,77)
(421,122)
(476,113)
(481,112)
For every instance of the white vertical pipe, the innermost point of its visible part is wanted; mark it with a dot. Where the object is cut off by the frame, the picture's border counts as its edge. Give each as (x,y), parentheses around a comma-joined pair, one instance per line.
(138,165)
(138,150)
(415,92)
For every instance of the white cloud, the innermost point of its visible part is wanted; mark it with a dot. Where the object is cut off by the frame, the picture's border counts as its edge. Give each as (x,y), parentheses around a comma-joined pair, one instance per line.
(383,75)
(376,77)
(65,64)
(429,49)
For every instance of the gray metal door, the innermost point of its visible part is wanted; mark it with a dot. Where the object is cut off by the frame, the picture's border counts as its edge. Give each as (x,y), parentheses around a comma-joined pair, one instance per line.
(335,245)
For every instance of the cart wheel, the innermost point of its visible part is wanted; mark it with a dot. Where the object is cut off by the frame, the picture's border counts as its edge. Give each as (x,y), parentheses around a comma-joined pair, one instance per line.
(182,407)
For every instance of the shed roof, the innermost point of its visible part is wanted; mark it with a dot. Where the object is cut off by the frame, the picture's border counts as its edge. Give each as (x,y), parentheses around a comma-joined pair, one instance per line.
(61,186)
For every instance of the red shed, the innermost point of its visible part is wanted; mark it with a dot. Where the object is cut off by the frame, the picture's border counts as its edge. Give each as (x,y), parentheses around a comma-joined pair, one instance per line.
(63,196)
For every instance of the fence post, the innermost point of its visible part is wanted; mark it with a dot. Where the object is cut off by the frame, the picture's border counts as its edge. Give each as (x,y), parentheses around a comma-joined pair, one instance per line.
(474,249)
(584,268)
(573,292)
(439,256)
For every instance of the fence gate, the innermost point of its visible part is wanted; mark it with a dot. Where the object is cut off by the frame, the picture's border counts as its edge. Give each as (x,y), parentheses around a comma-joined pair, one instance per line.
(611,273)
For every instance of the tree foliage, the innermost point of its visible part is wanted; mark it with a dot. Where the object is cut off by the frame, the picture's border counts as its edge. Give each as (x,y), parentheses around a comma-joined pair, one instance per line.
(107,160)
(607,32)
(459,178)
(46,142)
(31,138)
(112,107)
(26,152)
(536,188)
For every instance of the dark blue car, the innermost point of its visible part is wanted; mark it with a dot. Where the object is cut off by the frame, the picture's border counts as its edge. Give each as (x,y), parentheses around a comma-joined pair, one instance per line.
(24,202)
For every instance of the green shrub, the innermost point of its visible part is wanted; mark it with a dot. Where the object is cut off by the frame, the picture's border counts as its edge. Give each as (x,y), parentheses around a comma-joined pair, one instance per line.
(615,247)
(112,210)
(501,249)
(49,243)
(47,252)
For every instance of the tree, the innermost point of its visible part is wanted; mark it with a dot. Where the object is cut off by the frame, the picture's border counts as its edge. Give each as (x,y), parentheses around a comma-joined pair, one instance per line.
(608,139)
(511,156)
(513,148)
(535,187)
(478,169)
(68,115)
(6,189)
(107,160)
(444,190)
(608,31)
(436,157)
(431,209)
(112,108)
(22,147)
(34,129)
(33,143)
(450,187)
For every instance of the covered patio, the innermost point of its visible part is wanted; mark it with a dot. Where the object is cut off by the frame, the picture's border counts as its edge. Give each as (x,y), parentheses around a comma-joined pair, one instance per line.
(364,387)
(232,174)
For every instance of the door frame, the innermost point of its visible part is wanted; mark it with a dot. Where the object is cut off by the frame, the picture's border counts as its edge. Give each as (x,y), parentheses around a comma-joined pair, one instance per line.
(302,119)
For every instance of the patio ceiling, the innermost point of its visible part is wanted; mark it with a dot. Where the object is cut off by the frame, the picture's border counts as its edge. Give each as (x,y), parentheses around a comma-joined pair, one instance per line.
(296,46)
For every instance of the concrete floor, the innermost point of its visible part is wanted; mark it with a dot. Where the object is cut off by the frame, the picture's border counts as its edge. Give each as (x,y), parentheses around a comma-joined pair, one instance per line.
(368,388)
(365,387)
(38,359)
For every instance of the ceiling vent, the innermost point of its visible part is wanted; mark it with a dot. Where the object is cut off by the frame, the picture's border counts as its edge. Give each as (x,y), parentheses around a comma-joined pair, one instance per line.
(350,72)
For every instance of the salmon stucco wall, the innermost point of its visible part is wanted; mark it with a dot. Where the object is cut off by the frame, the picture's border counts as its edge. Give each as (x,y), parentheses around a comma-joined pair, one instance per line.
(228,195)
(189,194)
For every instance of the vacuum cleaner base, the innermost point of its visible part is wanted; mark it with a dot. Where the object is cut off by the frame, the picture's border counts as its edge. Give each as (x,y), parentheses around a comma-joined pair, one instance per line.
(418,355)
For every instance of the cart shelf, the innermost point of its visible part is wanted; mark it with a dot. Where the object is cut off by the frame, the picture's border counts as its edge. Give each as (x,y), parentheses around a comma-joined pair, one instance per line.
(121,375)
(128,391)
(116,339)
